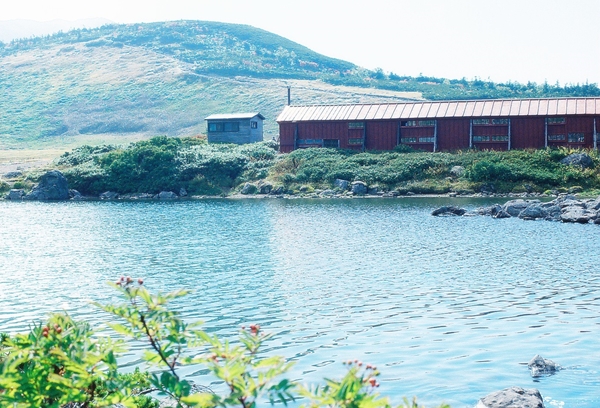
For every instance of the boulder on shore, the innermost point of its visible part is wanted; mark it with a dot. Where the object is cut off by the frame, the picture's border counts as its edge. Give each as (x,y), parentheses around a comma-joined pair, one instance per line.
(341,184)
(514,397)
(109,195)
(52,186)
(166,195)
(15,194)
(578,159)
(359,188)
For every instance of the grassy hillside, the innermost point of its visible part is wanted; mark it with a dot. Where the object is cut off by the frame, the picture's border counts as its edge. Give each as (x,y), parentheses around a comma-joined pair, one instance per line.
(138,80)
(80,84)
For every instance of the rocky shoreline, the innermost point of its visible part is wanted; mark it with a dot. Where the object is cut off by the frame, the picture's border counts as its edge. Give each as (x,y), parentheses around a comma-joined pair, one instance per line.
(565,208)
(53,186)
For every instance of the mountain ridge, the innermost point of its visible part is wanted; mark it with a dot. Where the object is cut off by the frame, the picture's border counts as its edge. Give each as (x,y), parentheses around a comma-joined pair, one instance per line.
(165,78)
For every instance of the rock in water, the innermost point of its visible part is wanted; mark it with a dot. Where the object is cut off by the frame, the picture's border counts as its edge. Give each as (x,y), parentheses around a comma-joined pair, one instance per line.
(539,366)
(514,397)
(52,186)
(448,210)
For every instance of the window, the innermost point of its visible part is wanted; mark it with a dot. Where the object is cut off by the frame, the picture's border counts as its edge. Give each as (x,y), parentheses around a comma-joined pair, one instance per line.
(500,138)
(556,137)
(408,123)
(481,138)
(490,121)
(224,127)
(352,141)
(254,125)
(577,137)
(427,123)
(555,121)
(231,127)
(426,139)
(409,140)
(335,143)
(356,125)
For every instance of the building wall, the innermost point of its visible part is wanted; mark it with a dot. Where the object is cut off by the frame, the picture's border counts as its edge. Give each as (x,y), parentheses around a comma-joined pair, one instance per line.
(452,134)
(245,134)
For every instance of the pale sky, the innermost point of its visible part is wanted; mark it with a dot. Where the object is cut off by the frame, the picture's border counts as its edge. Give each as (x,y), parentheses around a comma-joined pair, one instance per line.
(517,40)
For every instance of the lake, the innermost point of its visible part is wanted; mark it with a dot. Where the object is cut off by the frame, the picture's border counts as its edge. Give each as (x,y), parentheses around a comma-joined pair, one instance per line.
(448,308)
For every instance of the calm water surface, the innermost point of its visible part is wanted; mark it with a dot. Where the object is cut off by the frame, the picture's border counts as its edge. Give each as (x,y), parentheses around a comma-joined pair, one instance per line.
(450,309)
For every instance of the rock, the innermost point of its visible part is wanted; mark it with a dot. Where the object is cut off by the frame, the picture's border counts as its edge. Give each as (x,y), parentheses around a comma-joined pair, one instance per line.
(491,210)
(448,210)
(13,174)
(359,188)
(502,214)
(277,190)
(374,190)
(594,205)
(183,192)
(249,188)
(514,397)
(166,195)
(578,159)
(514,207)
(553,211)
(575,214)
(341,184)
(327,193)
(488,189)
(264,187)
(539,366)
(570,203)
(15,194)
(533,211)
(75,195)
(52,186)
(457,171)
(109,195)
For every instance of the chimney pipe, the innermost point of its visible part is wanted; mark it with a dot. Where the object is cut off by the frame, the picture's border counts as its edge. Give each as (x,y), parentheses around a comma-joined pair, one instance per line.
(289,95)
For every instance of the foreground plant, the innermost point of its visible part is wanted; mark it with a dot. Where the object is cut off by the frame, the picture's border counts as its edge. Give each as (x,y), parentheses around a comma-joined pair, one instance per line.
(64,363)
(57,363)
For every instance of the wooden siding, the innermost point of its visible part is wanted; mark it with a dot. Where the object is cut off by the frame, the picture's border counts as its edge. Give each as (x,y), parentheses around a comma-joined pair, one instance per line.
(527,133)
(453,134)
(381,135)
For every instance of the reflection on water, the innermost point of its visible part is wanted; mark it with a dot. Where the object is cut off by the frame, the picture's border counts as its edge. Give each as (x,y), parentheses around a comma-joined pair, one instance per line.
(450,309)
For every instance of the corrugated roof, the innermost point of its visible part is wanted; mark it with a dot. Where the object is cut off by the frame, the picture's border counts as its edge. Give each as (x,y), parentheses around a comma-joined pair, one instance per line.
(442,109)
(230,116)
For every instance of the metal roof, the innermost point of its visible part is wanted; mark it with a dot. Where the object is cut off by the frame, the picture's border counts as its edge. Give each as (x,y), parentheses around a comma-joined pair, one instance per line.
(231,116)
(442,109)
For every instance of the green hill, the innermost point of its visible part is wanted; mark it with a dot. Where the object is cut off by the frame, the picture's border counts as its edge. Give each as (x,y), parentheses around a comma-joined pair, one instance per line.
(140,80)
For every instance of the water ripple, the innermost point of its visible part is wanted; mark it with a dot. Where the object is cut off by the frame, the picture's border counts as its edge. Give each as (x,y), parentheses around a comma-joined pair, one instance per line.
(450,308)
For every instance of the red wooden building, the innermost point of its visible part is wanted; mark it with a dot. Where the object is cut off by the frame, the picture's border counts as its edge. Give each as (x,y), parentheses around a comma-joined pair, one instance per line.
(443,125)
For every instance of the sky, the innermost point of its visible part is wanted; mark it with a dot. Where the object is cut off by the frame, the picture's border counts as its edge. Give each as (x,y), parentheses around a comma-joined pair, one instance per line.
(499,40)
